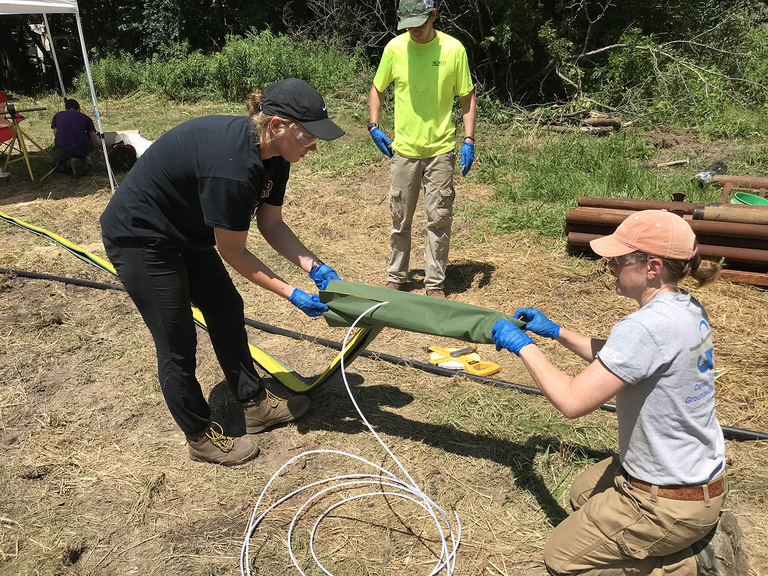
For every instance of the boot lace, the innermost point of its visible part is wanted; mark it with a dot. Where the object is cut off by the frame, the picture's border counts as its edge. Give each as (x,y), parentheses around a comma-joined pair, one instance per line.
(218,439)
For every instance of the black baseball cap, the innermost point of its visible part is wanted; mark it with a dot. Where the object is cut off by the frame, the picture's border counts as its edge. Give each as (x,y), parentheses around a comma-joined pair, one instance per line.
(295,99)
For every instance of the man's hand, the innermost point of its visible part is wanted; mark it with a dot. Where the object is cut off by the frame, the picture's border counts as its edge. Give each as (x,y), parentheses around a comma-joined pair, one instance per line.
(310,305)
(381,140)
(537,323)
(467,156)
(322,275)
(507,335)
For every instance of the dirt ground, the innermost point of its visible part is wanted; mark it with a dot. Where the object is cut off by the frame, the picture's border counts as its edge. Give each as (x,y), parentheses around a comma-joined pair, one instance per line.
(95,477)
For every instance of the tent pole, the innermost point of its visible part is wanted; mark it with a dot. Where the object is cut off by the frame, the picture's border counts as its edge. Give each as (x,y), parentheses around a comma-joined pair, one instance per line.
(95,105)
(55,58)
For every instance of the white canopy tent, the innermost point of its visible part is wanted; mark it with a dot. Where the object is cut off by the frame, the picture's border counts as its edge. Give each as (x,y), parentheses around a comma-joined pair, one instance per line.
(45,7)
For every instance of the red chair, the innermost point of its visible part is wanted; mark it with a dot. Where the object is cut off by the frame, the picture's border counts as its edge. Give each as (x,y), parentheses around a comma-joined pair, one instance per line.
(6,128)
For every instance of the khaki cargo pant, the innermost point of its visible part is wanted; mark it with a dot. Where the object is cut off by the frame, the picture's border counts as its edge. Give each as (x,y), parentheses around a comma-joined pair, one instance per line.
(407,177)
(618,530)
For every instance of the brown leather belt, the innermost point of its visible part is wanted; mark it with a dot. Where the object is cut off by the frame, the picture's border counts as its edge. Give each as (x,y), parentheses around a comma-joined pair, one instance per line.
(715,488)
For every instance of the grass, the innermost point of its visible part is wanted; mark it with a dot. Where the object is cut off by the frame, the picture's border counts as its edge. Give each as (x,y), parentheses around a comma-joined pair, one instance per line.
(535,176)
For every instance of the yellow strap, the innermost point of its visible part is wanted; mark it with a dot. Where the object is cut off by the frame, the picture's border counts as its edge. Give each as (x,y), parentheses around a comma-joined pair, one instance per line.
(289,378)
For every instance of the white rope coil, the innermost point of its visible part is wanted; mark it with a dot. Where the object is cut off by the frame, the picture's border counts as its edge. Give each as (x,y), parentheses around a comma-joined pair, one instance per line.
(389,486)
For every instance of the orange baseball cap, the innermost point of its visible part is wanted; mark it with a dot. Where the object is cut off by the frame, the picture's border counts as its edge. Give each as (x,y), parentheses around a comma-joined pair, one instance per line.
(656,232)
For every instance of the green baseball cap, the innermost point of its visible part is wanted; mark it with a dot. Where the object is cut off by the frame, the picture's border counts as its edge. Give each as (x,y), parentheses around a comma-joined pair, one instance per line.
(413,13)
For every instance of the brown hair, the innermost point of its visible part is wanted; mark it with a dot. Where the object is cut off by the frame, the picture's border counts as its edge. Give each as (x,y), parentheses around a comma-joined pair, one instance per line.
(703,271)
(259,120)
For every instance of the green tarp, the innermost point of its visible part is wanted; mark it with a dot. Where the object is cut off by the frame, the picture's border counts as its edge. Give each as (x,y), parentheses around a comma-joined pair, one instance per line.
(405,311)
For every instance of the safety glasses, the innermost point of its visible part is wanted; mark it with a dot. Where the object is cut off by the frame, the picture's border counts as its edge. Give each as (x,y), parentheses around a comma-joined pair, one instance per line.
(629,258)
(306,139)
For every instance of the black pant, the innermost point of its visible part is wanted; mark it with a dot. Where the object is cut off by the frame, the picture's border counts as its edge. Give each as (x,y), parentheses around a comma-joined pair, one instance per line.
(63,153)
(164,281)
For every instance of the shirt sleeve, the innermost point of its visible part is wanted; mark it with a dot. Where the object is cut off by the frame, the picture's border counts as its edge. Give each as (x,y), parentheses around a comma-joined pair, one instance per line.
(226,203)
(383,77)
(464,83)
(631,352)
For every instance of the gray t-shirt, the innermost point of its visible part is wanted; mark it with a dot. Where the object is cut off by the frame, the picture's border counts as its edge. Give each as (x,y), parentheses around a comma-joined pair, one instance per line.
(668,432)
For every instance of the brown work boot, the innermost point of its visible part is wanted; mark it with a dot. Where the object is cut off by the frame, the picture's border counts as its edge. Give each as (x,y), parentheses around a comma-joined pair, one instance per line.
(213,446)
(436,292)
(395,285)
(269,410)
(720,553)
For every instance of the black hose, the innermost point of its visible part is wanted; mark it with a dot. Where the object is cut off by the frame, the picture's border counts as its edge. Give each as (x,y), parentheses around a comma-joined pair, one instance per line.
(728,431)
(75,281)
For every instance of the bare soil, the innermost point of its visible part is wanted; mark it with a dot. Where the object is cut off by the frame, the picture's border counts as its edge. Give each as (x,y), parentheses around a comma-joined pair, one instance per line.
(95,477)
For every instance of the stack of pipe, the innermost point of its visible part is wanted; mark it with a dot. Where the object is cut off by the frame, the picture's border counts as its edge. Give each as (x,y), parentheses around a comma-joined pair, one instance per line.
(736,232)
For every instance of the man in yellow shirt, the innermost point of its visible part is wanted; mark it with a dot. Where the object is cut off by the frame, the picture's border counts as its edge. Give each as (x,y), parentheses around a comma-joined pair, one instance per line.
(427,67)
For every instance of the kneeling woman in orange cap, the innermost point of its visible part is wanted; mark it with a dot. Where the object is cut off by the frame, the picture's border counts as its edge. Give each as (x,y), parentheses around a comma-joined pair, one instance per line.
(654,508)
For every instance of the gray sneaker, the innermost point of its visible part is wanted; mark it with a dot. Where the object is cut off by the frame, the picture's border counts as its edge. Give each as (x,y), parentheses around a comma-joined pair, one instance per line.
(720,553)
(269,410)
(213,446)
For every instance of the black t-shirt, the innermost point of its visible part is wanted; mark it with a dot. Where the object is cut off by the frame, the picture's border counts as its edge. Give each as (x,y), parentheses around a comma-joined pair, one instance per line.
(203,174)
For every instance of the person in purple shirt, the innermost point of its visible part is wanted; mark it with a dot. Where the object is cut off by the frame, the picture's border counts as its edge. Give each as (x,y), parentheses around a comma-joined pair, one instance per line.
(74,137)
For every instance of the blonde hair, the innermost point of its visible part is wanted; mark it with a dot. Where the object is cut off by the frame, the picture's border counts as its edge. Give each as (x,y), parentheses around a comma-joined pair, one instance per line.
(260,121)
(703,271)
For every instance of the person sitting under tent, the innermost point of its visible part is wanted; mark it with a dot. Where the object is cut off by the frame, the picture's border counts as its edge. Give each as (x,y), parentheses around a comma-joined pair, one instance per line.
(74,139)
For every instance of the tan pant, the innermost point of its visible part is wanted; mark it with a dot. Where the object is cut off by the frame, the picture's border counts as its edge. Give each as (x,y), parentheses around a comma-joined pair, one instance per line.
(407,177)
(619,530)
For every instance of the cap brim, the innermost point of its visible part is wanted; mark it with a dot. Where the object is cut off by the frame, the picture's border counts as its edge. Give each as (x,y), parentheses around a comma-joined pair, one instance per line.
(324,129)
(412,22)
(609,246)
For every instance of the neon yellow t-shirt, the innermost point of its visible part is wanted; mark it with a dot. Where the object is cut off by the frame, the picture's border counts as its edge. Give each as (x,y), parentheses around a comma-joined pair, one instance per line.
(425,77)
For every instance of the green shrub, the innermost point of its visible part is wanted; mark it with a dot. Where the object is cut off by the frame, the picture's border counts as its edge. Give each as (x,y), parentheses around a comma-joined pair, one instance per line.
(244,64)
(113,77)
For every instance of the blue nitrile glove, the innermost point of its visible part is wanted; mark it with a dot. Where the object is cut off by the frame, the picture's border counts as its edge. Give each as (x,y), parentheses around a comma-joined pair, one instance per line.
(310,305)
(537,323)
(322,275)
(381,140)
(507,335)
(467,156)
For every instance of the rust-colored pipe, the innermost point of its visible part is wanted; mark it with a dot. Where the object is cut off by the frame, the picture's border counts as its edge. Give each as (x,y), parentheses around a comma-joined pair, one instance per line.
(611,217)
(741,181)
(725,213)
(746,255)
(636,205)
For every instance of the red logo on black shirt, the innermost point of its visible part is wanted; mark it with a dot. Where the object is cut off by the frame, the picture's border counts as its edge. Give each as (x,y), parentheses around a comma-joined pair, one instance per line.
(264,196)
(267,189)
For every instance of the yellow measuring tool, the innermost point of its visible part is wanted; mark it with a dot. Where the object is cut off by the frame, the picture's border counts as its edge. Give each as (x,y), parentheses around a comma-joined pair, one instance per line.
(471,365)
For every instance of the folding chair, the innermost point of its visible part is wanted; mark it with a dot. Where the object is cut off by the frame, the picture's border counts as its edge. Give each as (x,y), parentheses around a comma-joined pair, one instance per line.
(11,132)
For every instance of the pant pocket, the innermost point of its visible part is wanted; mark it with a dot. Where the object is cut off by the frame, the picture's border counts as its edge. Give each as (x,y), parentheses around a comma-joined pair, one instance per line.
(396,205)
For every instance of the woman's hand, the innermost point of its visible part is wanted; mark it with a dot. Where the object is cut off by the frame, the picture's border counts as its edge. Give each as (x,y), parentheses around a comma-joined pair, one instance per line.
(537,323)
(507,335)
(310,305)
(322,275)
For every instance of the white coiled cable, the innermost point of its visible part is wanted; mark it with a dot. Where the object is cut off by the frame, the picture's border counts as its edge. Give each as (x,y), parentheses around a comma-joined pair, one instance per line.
(389,484)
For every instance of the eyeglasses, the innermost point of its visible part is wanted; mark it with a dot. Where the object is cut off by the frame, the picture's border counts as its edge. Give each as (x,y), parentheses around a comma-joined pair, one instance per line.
(305,139)
(628,258)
